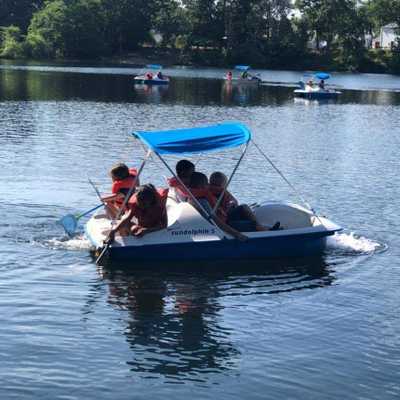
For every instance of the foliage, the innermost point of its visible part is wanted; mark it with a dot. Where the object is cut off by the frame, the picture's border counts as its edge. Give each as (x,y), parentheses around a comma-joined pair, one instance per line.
(328,33)
(11,42)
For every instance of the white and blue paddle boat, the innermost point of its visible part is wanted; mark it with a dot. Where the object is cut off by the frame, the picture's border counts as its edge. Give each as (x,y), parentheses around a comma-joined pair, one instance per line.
(316,90)
(191,235)
(153,76)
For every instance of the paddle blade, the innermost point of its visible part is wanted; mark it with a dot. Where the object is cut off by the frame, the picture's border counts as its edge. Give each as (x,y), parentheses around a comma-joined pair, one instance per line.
(69,223)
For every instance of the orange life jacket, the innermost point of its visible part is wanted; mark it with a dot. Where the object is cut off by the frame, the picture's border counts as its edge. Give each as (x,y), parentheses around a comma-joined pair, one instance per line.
(123,186)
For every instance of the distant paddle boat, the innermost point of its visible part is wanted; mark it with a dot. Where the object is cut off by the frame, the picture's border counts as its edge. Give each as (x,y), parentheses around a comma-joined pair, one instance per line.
(152,77)
(192,234)
(316,90)
(243,77)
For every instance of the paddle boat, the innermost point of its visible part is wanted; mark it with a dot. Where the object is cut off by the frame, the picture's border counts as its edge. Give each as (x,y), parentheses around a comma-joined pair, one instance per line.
(244,77)
(316,90)
(193,235)
(152,78)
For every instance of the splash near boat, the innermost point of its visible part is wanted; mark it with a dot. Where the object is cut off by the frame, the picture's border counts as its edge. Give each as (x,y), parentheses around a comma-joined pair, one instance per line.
(153,76)
(192,230)
(312,90)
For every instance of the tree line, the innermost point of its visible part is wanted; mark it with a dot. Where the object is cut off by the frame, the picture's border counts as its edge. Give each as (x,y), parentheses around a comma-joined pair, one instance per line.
(265,33)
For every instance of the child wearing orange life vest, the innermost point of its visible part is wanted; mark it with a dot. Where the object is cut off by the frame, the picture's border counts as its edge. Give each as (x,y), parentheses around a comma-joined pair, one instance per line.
(148,206)
(123,179)
(200,191)
(239,216)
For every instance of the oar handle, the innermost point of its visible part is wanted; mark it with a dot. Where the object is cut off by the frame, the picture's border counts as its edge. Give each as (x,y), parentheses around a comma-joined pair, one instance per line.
(89,211)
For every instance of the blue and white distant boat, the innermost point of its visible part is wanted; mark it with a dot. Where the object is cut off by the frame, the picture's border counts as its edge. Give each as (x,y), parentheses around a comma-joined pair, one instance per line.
(312,90)
(192,235)
(153,76)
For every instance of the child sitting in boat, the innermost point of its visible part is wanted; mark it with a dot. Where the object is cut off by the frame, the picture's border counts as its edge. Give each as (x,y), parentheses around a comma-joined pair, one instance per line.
(148,206)
(200,191)
(238,216)
(123,178)
(184,170)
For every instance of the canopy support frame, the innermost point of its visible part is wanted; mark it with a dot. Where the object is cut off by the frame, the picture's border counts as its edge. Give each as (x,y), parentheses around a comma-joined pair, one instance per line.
(220,197)
(205,213)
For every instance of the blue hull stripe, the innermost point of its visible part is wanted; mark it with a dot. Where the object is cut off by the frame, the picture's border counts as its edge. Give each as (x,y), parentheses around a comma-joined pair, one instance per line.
(288,246)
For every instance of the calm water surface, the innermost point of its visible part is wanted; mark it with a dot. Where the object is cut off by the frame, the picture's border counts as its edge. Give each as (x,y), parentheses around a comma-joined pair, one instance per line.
(322,328)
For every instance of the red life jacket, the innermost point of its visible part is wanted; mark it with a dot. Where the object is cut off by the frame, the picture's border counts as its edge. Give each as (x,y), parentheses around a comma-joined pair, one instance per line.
(179,189)
(227,201)
(205,193)
(123,186)
(153,216)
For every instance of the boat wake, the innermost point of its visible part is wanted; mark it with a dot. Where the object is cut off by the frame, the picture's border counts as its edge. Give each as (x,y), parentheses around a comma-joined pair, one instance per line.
(353,244)
(76,243)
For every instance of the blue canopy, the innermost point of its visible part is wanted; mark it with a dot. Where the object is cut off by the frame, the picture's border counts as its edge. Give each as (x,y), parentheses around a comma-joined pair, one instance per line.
(242,67)
(154,66)
(322,75)
(195,140)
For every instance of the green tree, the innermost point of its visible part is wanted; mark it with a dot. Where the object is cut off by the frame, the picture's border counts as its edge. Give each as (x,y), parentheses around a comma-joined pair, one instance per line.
(64,28)
(11,42)
(18,12)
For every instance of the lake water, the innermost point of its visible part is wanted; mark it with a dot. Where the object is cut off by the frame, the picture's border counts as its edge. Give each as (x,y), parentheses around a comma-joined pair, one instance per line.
(321,328)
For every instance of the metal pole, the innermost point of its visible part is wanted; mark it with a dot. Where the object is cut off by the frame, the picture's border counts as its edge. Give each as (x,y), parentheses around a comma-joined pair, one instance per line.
(230,178)
(207,215)
(287,181)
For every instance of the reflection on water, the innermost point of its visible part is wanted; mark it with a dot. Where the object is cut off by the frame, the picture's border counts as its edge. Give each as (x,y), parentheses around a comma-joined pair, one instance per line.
(174,320)
(44,85)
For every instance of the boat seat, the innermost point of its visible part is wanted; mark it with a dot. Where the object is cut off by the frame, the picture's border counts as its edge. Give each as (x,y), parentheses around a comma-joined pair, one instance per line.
(289,216)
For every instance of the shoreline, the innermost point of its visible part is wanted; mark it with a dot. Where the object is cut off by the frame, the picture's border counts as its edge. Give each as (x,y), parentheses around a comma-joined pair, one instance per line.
(174,58)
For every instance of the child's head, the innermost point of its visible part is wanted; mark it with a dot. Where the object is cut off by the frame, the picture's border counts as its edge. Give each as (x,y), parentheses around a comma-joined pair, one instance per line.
(198,181)
(146,196)
(218,179)
(184,170)
(119,171)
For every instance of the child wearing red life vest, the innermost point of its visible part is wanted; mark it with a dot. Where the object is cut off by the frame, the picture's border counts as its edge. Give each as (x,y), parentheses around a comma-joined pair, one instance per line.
(148,206)
(200,191)
(123,179)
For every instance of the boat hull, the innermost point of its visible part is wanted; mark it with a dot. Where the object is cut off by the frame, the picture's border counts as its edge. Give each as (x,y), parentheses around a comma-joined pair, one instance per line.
(260,248)
(190,237)
(316,95)
(142,81)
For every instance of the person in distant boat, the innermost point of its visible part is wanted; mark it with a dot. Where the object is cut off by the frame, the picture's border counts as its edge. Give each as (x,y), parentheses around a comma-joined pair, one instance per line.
(245,75)
(229,76)
(310,84)
(149,76)
(238,216)
(148,207)
(200,191)
(160,75)
(184,170)
(321,84)
(123,178)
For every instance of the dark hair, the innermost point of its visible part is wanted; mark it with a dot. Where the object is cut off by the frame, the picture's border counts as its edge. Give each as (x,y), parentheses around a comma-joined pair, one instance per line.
(184,166)
(198,180)
(146,193)
(218,179)
(120,171)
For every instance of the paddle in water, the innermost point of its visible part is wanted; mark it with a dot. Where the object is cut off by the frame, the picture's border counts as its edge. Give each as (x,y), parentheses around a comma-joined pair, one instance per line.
(70,222)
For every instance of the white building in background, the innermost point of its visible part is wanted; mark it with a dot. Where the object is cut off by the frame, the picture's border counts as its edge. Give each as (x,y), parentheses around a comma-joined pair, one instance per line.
(387,37)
